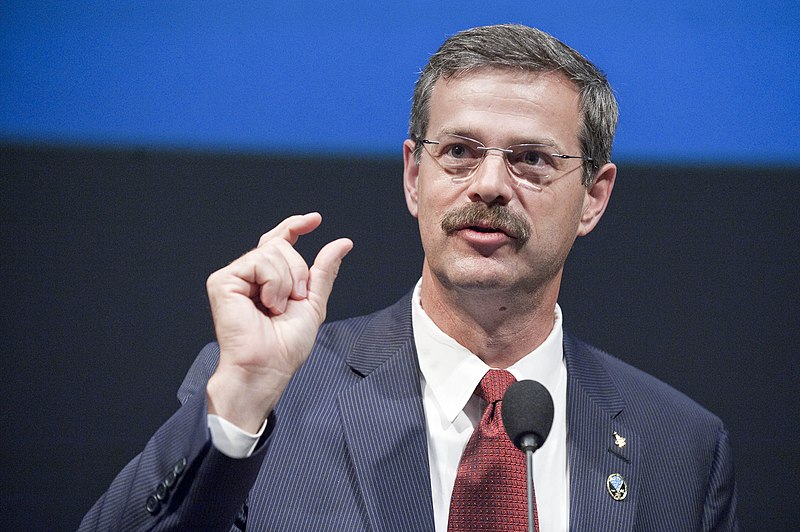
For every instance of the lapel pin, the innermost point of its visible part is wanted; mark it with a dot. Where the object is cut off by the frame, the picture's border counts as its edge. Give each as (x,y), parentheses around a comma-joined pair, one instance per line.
(616,486)
(619,441)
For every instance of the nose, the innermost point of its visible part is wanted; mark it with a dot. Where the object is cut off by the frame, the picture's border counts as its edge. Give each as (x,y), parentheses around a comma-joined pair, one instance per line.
(491,182)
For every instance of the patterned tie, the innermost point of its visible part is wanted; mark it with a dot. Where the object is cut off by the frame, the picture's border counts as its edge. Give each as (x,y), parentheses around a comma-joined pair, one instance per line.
(490,488)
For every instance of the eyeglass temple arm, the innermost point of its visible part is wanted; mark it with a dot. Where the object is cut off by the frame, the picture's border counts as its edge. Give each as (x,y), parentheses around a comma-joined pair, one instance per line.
(560,156)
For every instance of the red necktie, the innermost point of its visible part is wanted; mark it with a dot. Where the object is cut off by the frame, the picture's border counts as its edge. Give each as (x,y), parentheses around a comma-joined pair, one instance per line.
(490,489)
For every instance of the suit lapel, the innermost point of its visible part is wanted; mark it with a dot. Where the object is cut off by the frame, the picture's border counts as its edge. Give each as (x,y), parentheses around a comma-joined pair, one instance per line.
(384,425)
(601,444)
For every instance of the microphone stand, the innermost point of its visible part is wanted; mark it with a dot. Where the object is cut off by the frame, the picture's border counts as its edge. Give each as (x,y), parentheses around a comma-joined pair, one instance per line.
(528,445)
(527,417)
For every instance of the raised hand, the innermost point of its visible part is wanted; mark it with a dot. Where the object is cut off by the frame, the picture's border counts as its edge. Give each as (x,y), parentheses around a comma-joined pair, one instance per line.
(267,307)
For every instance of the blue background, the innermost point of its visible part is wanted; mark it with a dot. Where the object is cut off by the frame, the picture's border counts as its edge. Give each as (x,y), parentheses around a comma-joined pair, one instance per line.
(698,81)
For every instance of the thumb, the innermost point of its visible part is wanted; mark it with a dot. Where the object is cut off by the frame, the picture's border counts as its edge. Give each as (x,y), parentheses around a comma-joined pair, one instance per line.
(324,271)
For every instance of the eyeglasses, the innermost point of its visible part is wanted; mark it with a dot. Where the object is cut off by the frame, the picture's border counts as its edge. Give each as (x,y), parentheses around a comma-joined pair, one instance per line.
(533,165)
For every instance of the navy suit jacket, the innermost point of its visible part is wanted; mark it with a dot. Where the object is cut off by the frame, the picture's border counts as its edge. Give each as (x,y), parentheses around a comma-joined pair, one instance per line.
(346,448)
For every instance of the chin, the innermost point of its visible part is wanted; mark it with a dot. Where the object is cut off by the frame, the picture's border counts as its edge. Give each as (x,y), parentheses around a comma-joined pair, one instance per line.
(495,277)
(479,278)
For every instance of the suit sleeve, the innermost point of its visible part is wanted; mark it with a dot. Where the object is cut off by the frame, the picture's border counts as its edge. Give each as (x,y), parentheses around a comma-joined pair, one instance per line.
(179,480)
(719,508)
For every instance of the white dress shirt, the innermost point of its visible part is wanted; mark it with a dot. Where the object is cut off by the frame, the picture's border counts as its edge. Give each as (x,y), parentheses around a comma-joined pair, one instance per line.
(449,375)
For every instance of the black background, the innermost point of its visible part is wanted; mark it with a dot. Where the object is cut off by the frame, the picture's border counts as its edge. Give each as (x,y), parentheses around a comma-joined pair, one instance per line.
(691,276)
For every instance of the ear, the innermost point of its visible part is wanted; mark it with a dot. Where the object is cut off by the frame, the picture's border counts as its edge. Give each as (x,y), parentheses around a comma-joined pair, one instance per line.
(410,177)
(596,199)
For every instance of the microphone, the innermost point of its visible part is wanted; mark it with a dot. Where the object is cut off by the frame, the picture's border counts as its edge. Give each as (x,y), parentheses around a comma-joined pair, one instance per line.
(527,415)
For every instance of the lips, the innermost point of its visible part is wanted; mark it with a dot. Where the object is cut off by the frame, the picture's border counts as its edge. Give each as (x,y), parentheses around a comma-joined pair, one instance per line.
(486,227)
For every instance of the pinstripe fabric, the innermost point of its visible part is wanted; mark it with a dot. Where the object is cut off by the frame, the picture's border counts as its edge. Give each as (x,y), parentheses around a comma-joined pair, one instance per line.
(347,448)
(676,459)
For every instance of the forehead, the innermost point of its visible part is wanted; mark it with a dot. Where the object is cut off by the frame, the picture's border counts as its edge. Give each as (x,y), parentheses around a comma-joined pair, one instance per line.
(501,107)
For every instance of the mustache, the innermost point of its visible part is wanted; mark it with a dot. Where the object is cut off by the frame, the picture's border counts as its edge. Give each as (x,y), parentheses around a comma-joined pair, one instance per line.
(495,216)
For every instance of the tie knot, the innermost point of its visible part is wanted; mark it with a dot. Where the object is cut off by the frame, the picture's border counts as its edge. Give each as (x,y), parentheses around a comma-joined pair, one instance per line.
(494,384)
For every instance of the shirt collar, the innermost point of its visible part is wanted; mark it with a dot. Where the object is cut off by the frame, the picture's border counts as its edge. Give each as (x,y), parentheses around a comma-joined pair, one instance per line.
(452,372)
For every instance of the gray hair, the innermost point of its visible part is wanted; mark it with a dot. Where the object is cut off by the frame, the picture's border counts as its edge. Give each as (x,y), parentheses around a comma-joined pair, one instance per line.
(522,48)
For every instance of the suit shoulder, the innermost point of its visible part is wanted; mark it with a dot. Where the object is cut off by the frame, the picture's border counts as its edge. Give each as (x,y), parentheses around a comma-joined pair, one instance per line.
(642,391)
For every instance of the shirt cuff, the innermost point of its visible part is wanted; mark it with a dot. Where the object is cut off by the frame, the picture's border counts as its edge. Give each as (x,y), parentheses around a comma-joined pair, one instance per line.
(230,440)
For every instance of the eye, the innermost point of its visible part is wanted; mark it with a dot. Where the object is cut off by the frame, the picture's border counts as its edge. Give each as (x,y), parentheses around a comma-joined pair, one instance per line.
(531,157)
(457,151)
(531,162)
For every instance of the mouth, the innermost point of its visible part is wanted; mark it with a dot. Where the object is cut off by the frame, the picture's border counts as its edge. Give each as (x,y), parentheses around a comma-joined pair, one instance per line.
(484,227)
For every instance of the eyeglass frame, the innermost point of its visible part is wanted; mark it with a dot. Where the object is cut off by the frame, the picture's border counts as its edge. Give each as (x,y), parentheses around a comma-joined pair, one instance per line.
(505,153)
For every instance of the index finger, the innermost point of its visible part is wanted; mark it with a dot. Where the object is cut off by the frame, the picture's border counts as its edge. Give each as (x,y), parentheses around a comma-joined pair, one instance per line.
(292,228)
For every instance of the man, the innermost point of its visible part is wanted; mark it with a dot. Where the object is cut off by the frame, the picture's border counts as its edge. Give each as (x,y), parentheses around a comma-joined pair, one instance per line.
(362,424)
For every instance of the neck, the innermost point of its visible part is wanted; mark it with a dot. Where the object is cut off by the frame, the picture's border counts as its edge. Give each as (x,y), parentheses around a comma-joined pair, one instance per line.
(500,327)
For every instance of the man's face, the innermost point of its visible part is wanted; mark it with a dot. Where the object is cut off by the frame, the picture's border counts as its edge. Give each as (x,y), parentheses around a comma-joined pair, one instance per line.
(501,108)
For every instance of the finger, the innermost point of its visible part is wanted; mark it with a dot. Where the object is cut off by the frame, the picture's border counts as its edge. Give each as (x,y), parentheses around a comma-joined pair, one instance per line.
(292,228)
(274,281)
(325,269)
(262,274)
(297,267)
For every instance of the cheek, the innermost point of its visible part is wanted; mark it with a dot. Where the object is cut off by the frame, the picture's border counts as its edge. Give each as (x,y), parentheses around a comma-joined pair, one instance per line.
(555,219)
(433,201)
(568,204)
(428,219)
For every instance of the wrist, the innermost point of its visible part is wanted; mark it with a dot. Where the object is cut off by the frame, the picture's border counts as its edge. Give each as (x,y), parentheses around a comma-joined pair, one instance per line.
(242,398)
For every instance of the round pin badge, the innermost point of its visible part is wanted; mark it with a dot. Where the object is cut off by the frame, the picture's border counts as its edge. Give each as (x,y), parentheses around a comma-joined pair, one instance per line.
(616,486)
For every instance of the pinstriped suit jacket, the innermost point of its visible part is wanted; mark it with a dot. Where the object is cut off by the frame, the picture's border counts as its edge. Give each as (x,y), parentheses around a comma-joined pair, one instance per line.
(347,448)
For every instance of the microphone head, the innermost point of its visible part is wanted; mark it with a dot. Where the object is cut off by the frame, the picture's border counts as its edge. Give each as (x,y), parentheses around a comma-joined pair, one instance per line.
(527,411)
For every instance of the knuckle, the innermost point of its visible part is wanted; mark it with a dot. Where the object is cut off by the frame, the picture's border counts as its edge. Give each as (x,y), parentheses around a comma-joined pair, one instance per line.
(265,252)
(212,280)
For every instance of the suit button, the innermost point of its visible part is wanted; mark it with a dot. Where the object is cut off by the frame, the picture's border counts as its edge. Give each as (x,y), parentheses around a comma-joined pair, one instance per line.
(152,504)
(179,466)
(169,480)
(161,491)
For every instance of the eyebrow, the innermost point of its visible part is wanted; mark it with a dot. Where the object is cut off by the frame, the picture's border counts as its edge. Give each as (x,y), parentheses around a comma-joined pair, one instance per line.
(542,141)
